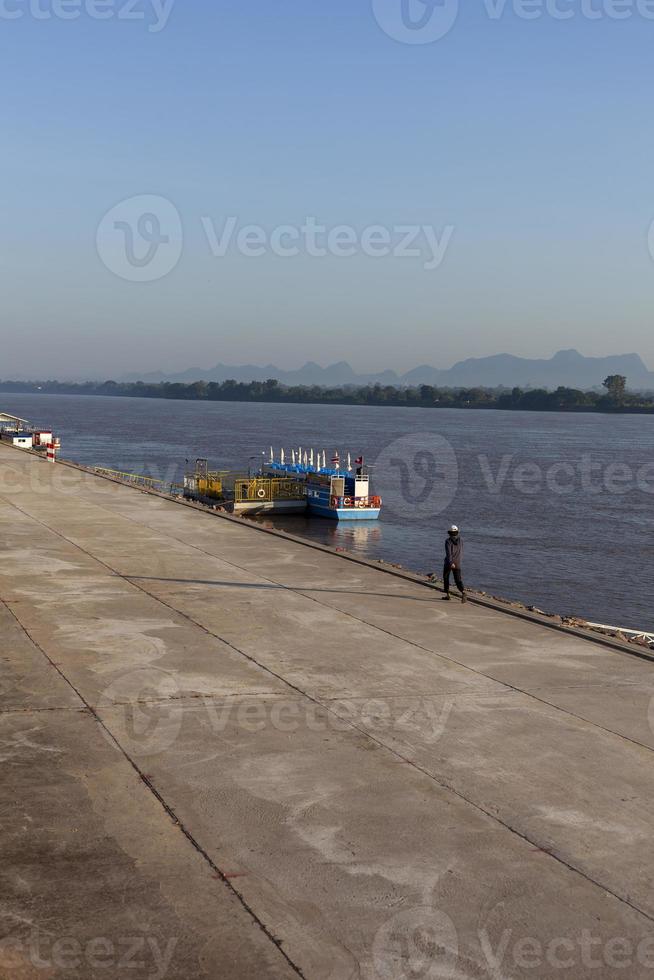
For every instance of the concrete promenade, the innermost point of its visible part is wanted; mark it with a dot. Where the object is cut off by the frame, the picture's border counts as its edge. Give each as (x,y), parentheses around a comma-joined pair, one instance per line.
(225,754)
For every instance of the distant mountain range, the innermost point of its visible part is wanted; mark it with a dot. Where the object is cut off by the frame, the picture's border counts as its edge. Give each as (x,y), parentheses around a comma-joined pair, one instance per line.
(567,367)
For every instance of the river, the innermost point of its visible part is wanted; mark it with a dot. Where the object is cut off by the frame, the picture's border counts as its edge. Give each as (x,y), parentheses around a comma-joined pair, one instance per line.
(556,509)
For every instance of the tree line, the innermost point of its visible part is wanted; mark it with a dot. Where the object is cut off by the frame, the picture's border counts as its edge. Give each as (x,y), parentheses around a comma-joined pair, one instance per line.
(614,398)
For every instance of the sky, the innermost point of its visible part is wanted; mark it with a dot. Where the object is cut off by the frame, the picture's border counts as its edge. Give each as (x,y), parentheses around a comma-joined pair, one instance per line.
(387,182)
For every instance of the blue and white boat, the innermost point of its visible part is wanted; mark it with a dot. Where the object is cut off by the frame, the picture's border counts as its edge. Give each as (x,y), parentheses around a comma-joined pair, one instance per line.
(335,492)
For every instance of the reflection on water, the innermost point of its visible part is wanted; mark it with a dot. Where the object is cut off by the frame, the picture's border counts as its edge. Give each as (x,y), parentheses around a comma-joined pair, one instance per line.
(363,537)
(546,512)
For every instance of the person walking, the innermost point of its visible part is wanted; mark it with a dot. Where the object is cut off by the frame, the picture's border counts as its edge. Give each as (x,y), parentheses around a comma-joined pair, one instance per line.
(453,562)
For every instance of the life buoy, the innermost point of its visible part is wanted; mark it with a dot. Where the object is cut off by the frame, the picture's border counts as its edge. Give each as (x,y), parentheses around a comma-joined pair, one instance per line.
(347,501)
(333,503)
(261,493)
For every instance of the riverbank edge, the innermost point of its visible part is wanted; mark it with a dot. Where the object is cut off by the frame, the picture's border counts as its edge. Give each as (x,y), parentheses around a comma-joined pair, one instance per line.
(571,626)
(351,403)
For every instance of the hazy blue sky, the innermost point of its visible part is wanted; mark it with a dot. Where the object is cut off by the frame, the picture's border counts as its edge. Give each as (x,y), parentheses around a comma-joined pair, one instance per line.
(525,146)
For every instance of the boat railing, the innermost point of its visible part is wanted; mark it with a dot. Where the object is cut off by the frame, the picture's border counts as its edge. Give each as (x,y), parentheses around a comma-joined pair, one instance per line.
(356,502)
(264,488)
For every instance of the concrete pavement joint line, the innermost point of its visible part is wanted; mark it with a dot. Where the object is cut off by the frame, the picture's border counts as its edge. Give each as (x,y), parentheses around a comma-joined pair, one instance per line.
(130,580)
(325,605)
(191,698)
(510,687)
(276,695)
(485,602)
(426,694)
(414,765)
(312,598)
(171,813)
(406,576)
(387,748)
(40,711)
(418,768)
(442,656)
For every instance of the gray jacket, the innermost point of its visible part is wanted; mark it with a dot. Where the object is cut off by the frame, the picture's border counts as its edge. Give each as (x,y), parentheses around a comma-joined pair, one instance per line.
(454,551)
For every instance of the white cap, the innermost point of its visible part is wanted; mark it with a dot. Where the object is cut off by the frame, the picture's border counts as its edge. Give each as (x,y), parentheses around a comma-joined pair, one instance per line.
(453,528)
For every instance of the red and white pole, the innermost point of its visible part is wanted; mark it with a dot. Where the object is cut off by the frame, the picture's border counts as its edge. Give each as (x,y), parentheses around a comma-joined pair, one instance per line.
(51,452)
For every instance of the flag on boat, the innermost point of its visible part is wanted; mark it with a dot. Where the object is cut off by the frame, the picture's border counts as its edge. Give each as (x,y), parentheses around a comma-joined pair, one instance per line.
(358,461)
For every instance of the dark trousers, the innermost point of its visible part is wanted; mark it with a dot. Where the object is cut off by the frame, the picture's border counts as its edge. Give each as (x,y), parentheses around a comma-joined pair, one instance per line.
(456,572)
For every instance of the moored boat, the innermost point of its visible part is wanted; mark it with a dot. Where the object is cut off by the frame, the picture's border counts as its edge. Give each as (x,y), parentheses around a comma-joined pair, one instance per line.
(340,493)
(303,485)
